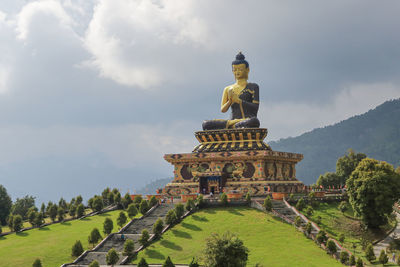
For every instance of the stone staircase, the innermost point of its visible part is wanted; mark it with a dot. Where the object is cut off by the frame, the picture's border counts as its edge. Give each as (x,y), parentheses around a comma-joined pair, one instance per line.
(133,231)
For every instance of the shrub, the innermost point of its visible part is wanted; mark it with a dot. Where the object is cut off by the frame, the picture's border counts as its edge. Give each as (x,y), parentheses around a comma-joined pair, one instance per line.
(309,211)
(331,246)
(179,211)
(170,218)
(318,220)
(308,228)
(369,253)
(38,219)
(31,216)
(108,226)
(1,229)
(153,201)
(224,199)
(121,220)
(112,257)
(72,210)
(168,263)
(94,264)
(352,260)
(341,238)
(248,198)
(158,227)
(383,258)
(267,204)
(126,200)
(344,256)
(300,204)
(297,221)
(132,210)
(94,236)
(129,248)
(291,197)
(80,210)
(17,223)
(37,263)
(10,221)
(343,206)
(53,212)
(77,249)
(189,204)
(144,207)
(321,237)
(142,263)
(144,238)
(359,263)
(194,263)
(61,214)
(200,201)
(97,204)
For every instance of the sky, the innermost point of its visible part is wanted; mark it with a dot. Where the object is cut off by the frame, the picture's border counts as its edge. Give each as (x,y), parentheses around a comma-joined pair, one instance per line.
(94,93)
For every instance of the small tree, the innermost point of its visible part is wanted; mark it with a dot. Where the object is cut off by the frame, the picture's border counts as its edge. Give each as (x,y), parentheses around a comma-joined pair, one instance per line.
(248,198)
(189,204)
(38,219)
(37,263)
(267,204)
(72,210)
(168,263)
(10,222)
(309,211)
(126,200)
(137,200)
(94,236)
(142,263)
(352,260)
(61,214)
(331,246)
(43,209)
(359,263)
(97,204)
(158,227)
(224,199)
(343,206)
(53,212)
(144,207)
(17,223)
(108,226)
(77,249)
(369,253)
(318,220)
(153,201)
(321,237)
(117,198)
(297,221)
(300,204)
(78,200)
(170,218)
(129,248)
(121,220)
(179,211)
(132,211)
(344,257)
(144,238)
(94,264)
(80,210)
(194,263)
(308,228)
(112,257)
(383,258)
(31,216)
(200,201)
(341,238)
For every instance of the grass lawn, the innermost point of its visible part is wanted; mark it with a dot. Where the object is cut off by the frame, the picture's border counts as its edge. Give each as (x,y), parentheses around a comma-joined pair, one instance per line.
(270,241)
(52,244)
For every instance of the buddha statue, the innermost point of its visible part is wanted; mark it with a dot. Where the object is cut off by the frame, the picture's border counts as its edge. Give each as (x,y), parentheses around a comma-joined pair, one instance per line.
(242,97)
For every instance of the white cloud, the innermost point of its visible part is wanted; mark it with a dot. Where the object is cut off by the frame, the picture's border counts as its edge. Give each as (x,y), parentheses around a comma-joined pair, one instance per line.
(4,77)
(286,119)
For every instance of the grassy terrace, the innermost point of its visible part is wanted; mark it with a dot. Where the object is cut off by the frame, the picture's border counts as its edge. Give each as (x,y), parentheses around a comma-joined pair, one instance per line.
(271,242)
(52,244)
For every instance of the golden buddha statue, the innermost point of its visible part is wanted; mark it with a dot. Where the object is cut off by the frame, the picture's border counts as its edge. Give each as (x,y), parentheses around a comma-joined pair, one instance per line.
(242,97)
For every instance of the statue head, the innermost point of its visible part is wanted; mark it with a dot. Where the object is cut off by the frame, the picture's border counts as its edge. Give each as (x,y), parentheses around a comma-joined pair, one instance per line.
(240,67)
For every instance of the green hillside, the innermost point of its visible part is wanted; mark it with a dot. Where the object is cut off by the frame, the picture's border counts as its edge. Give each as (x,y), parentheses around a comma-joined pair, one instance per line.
(375,133)
(270,241)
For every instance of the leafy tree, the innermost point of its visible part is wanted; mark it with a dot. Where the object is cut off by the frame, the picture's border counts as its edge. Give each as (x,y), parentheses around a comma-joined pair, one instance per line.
(37,263)
(97,204)
(72,210)
(61,214)
(108,226)
(300,204)
(144,238)
(129,248)
(158,227)
(49,204)
(80,210)
(179,211)
(341,238)
(117,198)
(321,237)
(144,207)
(344,257)
(308,228)
(343,206)
(369,253)
(153,201)
(79,200)
(383,258)
(112,257)
(17,223)
(10,222)
(142,263)
(94,236)
(318,220)
(194,263)
(132,211)
(5,205)
(22,205)
(347,164)
(168,263)
(329,179)
(248,198)
(226,250)
(267,204)
(38,219)
(352,260)
(77,249)
(137,200)
(126,200)
(224,199)
(121,220)
(331,246)
(189,204)
(297,221)
(373,188)
(43,209)
(31,216)
(53,212)
(200,201)
(309,211)
(104,195)
(62,203)
(110,198)
(359,263)
(170,218)
(90,202)
(94,264)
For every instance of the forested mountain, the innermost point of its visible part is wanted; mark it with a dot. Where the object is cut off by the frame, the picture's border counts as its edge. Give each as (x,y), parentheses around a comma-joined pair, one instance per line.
(375,133)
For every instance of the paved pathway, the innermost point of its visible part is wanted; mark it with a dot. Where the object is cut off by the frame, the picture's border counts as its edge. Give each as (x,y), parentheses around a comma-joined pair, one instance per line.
(385,242)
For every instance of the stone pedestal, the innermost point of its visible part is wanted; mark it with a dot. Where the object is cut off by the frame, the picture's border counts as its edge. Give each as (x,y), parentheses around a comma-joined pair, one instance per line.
(233,161)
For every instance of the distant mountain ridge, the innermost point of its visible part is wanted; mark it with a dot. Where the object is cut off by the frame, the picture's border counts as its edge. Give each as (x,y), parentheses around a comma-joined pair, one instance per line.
(375,133)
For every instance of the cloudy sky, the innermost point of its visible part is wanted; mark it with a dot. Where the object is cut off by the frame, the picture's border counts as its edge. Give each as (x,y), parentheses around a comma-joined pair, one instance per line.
(93,93)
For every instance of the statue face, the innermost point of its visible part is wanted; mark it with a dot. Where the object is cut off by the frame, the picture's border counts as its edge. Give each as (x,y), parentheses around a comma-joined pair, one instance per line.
(240,71)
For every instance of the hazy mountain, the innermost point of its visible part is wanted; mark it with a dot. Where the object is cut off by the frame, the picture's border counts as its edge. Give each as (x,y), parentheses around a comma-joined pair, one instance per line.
(151,187)
(375,133)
